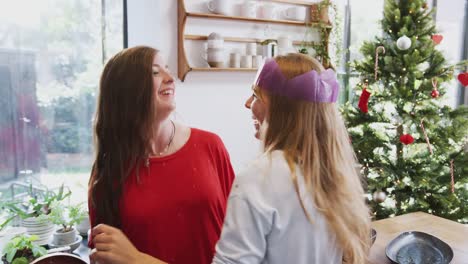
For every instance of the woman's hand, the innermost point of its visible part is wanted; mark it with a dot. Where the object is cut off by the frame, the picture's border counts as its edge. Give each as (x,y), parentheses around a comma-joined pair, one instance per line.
(113,247)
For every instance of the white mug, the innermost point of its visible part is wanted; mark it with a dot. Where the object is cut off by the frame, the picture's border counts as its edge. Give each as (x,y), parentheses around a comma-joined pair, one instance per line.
(249,9)
(284,42)
(234,60)
(267,11)
(214,55)
(297,13)
(215,43)
(251,48)
(270,50)
(246,61)
(257,61)
(222,7)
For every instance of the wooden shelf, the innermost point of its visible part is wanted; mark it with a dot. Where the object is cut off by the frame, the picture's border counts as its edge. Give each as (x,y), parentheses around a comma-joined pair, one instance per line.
(182,14)
(247,19)
(236,39)
(224,69)
(293,2)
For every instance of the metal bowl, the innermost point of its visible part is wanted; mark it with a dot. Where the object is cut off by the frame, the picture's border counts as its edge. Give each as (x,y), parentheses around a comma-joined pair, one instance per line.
(418,248)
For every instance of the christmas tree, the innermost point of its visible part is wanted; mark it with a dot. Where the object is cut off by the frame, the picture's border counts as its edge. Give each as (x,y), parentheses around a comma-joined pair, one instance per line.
(412,147)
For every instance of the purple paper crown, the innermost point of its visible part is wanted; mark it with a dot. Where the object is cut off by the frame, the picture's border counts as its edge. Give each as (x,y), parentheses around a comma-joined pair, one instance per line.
(310,86)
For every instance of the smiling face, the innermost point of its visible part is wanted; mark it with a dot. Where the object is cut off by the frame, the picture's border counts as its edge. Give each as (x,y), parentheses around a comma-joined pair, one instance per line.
(163,85)
(258,105)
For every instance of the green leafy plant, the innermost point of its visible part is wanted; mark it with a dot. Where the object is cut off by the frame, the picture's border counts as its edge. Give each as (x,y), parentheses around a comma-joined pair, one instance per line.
(321,48)
(34,205)
(5,218)
(22,250)
(67,216)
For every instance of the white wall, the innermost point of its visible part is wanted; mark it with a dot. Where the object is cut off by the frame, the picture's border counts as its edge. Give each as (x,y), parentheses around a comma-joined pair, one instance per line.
(211,101)
(214,101)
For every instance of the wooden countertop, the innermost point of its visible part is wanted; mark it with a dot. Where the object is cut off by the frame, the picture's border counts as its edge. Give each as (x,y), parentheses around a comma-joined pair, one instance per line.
(452,233)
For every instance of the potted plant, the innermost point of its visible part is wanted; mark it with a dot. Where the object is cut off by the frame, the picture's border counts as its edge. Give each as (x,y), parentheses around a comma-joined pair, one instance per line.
(67,217)
(36,205)
(22,250)
(328,28)
(34,211)
(319,12)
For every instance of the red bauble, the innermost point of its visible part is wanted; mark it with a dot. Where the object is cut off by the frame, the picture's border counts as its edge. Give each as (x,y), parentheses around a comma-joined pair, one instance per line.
(463,78)
(437,38)
(435,93)
(406,139)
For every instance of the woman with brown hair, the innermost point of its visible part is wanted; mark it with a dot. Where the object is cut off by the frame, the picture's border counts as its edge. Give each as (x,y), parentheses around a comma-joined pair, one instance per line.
(158,189)
(301,201)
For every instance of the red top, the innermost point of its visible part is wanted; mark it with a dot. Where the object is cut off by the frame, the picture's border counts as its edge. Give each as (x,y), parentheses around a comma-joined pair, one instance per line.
(176,212)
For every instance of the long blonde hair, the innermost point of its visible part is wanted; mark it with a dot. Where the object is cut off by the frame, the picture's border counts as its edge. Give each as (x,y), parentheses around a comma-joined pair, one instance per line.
(314,136)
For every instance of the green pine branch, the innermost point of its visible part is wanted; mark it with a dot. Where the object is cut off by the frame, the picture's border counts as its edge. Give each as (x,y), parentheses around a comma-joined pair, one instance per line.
(412,178)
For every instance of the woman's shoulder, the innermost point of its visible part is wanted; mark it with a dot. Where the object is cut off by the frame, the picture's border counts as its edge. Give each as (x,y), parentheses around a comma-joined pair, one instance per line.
(263,171)
(205,137)
(268,162)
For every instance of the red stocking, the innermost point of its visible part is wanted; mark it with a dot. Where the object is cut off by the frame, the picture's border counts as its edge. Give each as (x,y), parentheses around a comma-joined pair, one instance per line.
(364,100)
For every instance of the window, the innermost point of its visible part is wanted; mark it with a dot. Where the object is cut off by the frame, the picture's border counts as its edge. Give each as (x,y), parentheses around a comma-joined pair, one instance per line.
(51,57)
(362,25)
(359,25)
(450,21)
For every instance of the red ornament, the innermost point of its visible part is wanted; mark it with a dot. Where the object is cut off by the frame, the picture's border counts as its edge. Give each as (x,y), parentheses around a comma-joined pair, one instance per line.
(364,100)
(406,139)
(463,78)
(435,93)
(437,39)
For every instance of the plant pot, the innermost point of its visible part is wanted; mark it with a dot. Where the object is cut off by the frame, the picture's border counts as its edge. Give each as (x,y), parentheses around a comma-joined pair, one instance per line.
(59,258)
(319,13)
(83,226)
(61,238)
(43,228)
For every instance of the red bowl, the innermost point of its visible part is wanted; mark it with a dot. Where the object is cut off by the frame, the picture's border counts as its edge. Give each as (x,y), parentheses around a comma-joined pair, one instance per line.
(59,258)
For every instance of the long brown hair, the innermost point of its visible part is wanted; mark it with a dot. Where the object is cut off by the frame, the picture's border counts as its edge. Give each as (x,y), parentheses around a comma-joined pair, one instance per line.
(314,136)
(124,117)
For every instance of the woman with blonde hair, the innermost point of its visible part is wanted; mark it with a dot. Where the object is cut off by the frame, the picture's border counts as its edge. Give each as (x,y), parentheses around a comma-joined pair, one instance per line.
(301,201)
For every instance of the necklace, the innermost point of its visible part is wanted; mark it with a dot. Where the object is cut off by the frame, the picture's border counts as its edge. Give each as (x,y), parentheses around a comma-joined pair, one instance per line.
(170,140)
(167,146)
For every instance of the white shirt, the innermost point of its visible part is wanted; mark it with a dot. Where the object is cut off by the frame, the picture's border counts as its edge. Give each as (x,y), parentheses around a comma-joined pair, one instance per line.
(265,222)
